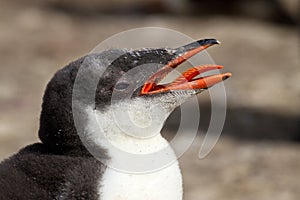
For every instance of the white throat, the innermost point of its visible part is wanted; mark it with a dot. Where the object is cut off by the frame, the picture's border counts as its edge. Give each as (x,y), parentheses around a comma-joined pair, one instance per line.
(134,129)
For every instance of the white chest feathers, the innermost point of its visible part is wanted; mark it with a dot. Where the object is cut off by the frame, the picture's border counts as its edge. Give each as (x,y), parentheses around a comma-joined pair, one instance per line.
(165,184)
(127,130)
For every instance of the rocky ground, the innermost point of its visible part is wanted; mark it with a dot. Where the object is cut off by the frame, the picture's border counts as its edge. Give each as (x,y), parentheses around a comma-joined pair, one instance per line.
(257,156)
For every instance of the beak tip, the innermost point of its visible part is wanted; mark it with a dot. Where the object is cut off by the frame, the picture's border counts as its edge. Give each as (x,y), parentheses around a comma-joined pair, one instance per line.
(214,41)
(226,76)
(207,42)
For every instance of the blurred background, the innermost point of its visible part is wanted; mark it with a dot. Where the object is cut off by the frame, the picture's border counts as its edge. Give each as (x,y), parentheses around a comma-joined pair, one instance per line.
(257,156)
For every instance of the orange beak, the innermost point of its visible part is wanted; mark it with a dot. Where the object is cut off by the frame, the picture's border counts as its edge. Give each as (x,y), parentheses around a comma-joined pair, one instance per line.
(187,80)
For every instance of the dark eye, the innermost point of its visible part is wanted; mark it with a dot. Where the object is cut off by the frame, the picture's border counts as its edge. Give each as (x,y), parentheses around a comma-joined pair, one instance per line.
(121,86)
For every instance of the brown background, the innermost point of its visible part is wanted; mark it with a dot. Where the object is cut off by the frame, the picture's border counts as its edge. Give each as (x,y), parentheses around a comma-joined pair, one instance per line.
(257,156)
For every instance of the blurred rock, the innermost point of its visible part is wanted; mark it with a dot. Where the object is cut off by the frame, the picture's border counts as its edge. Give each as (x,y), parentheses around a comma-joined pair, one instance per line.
(283,11)
(292,7)
(242,170)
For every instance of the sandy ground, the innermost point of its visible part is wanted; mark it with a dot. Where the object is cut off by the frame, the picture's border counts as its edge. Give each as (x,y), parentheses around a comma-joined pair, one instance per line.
(263,95)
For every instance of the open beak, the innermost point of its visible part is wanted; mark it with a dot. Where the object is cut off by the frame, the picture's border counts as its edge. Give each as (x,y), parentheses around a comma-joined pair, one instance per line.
(187,80)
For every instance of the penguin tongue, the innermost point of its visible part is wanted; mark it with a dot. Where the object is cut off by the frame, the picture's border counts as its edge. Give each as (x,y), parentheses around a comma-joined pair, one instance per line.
(185,81)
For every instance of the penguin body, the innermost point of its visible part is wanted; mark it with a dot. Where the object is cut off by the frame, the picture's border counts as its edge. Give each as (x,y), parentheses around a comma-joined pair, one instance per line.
(60,167)
(35,173)
(162,184)
(80,133)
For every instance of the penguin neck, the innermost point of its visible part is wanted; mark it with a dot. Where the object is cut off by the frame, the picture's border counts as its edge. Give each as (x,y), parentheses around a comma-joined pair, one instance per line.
(108,131)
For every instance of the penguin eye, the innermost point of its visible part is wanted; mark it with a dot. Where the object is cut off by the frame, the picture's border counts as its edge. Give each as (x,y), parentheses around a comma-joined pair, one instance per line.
(121,86)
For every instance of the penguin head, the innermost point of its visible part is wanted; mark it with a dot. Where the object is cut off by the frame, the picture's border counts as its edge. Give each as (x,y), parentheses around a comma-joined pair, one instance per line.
(121,90)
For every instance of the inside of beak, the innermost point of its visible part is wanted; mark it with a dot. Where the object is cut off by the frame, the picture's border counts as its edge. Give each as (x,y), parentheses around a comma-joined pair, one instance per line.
(187,80)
